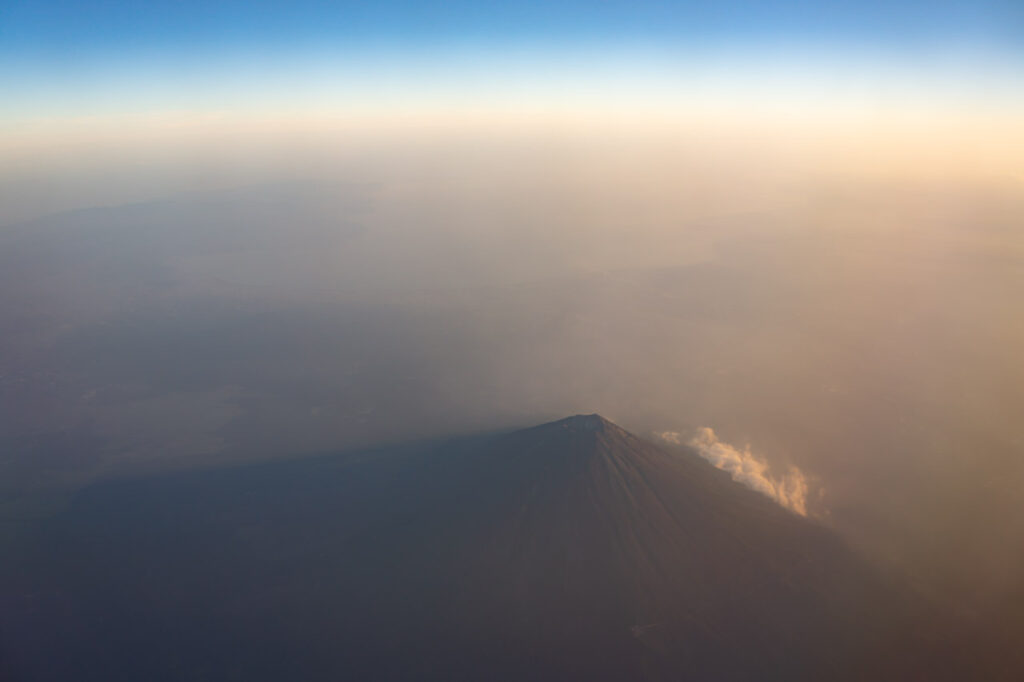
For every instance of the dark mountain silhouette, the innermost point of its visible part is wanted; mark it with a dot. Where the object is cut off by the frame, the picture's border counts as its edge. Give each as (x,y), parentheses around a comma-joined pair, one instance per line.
(572,550)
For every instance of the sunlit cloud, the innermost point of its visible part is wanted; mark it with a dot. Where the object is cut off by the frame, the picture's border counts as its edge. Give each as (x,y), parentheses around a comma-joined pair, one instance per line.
(789,490)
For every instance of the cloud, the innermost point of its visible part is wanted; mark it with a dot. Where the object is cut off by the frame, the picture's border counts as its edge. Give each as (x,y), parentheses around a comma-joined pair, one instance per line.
(789,490)
(673,437)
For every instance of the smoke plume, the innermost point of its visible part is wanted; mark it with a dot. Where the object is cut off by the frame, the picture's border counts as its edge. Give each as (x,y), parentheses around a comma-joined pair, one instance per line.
(789,490)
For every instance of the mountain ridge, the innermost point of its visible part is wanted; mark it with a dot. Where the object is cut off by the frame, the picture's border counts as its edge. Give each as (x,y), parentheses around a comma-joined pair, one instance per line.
(569,550)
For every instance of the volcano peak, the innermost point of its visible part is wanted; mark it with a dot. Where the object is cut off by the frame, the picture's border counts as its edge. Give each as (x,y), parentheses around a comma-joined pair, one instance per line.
(586,422)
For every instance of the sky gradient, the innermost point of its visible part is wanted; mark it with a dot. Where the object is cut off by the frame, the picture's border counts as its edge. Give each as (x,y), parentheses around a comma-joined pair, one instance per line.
(79,59)
(795,223)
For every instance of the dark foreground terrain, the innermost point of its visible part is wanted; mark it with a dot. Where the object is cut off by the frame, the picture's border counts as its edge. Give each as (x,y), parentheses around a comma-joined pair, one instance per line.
(572,550)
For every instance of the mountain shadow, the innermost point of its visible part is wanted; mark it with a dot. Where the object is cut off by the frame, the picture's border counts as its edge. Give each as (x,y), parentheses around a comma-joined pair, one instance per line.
(571,550)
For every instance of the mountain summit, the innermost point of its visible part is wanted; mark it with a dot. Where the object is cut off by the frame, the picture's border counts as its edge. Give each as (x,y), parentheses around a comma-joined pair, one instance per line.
(582,422)
(570,550)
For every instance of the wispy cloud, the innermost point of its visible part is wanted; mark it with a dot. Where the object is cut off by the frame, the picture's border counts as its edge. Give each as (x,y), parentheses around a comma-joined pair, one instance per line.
(789,490)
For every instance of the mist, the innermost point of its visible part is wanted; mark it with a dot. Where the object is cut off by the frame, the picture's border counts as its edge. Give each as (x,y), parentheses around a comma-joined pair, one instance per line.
(846,317)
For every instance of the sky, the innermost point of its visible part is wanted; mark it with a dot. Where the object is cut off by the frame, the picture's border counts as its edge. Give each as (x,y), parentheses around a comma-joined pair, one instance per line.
(68,29)
(247,230)
(75,59)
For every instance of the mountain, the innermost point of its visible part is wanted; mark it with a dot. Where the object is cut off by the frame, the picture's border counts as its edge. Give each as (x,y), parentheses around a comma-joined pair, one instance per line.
(571,550)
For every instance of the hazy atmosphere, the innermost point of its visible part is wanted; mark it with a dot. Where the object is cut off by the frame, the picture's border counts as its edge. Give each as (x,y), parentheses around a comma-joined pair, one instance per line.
(793,243)
(863,327)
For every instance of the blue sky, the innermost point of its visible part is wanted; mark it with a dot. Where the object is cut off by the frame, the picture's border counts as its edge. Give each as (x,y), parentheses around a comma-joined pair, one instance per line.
(77,27)
(57,57)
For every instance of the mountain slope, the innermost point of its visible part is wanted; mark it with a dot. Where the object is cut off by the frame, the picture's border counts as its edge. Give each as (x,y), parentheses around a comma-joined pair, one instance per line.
(568,550)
